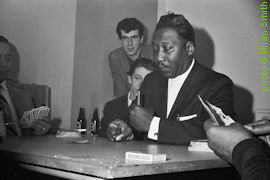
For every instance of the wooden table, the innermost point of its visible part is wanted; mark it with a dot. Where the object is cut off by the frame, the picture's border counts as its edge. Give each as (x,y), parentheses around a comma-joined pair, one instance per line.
(100,159)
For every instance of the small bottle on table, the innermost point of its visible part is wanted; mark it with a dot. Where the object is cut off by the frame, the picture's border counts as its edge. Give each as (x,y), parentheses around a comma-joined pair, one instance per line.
(81,121)
(94,123)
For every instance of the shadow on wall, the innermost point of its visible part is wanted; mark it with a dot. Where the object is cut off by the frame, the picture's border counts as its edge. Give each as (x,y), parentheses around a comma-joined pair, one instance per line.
(145,34)
(205,49)
(243,105)
(205,55)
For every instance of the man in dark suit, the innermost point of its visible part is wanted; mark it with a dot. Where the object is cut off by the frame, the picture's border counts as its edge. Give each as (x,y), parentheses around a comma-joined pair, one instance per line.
(172,112)
(131,35)
(117,109)
(14,101)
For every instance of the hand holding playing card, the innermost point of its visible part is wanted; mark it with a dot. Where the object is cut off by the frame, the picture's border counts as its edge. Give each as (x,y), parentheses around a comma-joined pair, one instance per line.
(223,139)
(30,117)
(40,127)
(216,114)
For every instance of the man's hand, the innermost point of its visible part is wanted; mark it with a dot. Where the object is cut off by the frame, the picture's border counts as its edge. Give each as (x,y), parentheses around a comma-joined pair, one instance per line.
(260,127)
(133,94)
(40,127)
(223,139)
(119,130)
(140,118)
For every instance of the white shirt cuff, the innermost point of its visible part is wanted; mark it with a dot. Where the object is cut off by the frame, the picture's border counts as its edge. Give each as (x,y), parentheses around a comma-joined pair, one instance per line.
(153,130)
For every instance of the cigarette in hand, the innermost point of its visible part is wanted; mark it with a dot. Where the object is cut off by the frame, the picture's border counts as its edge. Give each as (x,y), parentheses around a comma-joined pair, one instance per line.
(139,98)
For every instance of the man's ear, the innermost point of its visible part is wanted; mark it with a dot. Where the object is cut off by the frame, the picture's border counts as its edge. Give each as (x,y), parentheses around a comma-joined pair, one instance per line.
(142,38)
(129,79)
(190,48)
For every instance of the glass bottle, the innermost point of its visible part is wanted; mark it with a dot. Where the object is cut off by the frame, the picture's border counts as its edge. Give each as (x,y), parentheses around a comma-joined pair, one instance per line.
(94,124)
(81,120)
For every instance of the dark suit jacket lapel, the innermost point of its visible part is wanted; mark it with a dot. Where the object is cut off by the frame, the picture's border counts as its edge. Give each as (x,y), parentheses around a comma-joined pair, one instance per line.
(185,91)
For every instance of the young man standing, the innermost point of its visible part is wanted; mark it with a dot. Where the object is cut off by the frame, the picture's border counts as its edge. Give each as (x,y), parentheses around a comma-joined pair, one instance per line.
(131,35)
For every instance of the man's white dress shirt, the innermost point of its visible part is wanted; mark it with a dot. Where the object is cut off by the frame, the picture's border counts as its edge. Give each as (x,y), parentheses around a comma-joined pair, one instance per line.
(174,86)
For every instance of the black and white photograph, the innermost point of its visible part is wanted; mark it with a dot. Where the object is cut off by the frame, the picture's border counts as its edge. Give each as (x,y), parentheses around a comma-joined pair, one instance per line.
(134,89)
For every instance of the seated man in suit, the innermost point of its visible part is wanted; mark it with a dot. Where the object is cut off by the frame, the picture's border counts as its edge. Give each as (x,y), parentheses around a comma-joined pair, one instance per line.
(130,32)
(171,111)
(118,108)
(14,101)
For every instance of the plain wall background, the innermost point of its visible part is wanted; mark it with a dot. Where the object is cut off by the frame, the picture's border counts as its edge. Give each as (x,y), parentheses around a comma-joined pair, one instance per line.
(228,39)
(88,57)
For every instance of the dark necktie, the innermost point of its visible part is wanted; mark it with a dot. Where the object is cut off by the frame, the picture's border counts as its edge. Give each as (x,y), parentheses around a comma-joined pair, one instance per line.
(10,126)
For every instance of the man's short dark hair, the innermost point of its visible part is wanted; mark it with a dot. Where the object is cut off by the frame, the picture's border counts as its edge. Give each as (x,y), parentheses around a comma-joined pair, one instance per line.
(179,23)
(129,24)
(3,39)
(143,62)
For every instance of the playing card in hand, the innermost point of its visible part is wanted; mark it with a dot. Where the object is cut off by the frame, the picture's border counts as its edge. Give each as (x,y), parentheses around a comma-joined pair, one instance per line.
(30,117)
(216,114)
(42,112)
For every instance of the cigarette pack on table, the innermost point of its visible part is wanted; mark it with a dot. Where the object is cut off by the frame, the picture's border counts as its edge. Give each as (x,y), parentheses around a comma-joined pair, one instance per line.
(199,145)
(68,134)
(144,157)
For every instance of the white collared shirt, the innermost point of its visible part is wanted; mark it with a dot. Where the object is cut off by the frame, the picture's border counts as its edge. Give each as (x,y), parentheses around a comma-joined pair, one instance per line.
(174,86)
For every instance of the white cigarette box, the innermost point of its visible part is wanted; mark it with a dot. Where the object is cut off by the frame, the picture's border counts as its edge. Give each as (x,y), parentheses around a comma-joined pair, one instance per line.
(144,157)
(199,145)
